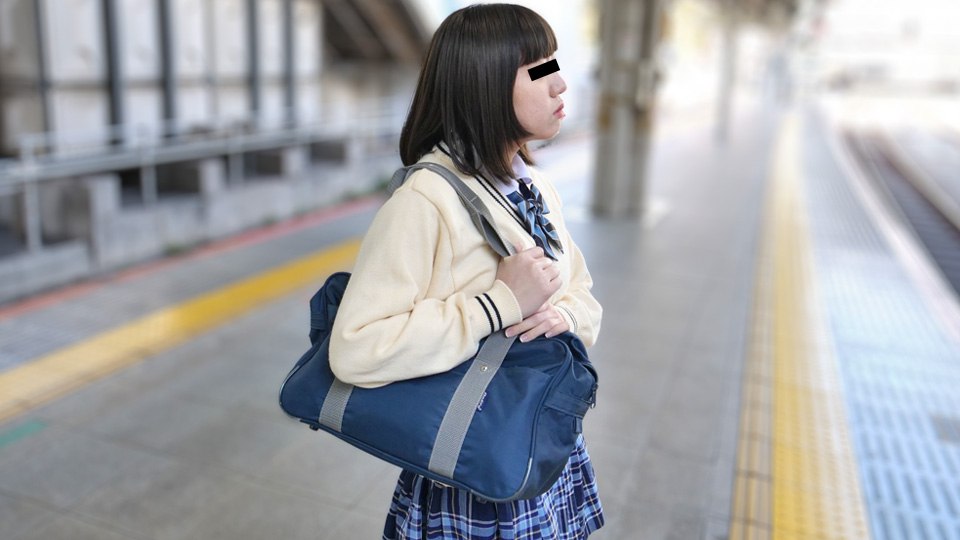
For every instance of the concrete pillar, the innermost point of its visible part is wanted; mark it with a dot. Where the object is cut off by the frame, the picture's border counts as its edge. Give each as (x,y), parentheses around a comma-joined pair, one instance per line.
(168,68)
(628,74)
(104,195)
(728,70)
(103,192)
(64,210)
(212,177)
(294,161)
(354,153)
(253,60)
(31,216)
(43,75)
(114,64)
(289,64)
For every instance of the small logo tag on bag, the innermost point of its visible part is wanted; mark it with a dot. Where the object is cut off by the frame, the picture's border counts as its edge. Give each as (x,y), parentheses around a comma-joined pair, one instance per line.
(482,398)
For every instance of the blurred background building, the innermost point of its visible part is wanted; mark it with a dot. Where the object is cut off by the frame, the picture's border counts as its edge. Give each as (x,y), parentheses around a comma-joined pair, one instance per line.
(134,128)
(767,193)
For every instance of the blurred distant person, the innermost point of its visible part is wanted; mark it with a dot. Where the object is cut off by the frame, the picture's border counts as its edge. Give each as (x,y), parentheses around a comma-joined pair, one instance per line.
(779,76)
(426,288)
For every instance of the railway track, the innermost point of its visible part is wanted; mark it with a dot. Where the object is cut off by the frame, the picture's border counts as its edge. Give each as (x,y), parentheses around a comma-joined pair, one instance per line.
(932,213)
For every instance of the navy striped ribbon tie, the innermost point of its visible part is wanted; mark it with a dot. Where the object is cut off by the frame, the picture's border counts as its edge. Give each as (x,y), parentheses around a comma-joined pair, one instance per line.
(533,211)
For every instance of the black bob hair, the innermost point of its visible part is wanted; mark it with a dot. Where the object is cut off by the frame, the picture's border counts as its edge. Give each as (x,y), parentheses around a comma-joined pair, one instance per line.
(464,95)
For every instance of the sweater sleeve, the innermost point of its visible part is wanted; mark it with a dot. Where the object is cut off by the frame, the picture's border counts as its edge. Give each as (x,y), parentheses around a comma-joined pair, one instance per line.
(577,304)
(388,328)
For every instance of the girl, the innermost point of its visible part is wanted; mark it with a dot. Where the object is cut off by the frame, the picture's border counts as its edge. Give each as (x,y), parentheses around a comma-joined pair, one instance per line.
(426,288)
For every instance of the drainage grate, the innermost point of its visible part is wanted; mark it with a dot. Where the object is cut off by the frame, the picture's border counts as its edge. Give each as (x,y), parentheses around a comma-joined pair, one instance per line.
(947,428)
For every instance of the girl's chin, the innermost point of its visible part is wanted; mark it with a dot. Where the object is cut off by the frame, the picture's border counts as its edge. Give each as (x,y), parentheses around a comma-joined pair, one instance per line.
(548,134)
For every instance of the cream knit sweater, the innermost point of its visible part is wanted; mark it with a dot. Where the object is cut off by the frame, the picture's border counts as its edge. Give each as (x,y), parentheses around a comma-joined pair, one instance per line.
(424,291)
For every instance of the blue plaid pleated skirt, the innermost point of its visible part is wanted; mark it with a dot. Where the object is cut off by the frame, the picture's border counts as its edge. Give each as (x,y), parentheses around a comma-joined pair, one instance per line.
(570,510)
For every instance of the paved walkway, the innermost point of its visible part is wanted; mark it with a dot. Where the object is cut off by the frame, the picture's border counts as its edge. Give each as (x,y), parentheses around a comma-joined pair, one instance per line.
(176,433)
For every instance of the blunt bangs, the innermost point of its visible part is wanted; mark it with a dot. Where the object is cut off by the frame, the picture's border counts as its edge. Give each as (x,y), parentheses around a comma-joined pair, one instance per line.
(537,39)
(464,96)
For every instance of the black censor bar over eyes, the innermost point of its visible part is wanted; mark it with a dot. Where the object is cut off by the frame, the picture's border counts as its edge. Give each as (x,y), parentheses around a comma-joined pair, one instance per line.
(543,69)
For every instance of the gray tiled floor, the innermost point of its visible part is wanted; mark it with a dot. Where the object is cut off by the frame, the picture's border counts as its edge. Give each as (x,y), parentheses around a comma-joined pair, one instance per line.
(190,443)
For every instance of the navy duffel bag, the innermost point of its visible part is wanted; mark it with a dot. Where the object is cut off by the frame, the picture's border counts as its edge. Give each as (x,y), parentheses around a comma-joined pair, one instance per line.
(502,432)
(502,424)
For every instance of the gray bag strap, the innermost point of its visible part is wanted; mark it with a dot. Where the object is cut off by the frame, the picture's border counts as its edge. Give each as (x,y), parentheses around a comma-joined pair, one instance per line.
(335,404)
(479,214)
(466,398)
(464,403)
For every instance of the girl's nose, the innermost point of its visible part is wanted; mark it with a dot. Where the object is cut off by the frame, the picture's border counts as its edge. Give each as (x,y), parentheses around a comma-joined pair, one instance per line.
(558,85)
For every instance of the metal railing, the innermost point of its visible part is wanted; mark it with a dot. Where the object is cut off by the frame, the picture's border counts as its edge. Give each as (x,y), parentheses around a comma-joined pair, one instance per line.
(57,155)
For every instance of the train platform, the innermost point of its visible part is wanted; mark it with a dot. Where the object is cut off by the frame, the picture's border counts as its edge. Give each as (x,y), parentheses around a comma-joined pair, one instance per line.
(779,357)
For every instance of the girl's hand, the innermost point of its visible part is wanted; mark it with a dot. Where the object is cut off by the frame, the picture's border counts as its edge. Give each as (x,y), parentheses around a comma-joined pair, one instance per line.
(532,276)
(546,321)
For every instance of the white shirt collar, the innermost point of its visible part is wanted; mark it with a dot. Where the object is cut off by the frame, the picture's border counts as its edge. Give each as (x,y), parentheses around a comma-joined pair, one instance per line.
(521,173)
(520,170)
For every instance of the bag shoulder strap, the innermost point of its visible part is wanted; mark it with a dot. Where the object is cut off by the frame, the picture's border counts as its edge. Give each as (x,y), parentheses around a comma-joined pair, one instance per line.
(456,419)
(479,214)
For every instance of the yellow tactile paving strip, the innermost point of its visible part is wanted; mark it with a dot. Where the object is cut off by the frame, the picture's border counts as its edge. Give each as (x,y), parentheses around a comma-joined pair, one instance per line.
(796,470)
(51,376)
(751,513)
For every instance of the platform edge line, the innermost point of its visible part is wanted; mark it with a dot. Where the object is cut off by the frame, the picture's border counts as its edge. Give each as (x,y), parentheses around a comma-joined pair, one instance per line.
(51,376)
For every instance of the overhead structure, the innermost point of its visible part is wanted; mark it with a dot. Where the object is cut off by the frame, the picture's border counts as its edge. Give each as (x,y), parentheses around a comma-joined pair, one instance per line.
(375,30)
(110,69)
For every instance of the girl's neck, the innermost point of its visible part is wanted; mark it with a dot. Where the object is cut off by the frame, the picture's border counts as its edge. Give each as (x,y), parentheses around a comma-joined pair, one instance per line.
(512,152)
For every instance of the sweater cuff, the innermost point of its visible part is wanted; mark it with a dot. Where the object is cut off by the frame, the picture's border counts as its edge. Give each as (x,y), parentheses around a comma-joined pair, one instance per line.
(494,310)
(567,315)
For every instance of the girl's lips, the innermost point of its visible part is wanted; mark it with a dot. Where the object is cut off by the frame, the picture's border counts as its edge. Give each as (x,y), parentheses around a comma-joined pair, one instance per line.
(559,112)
